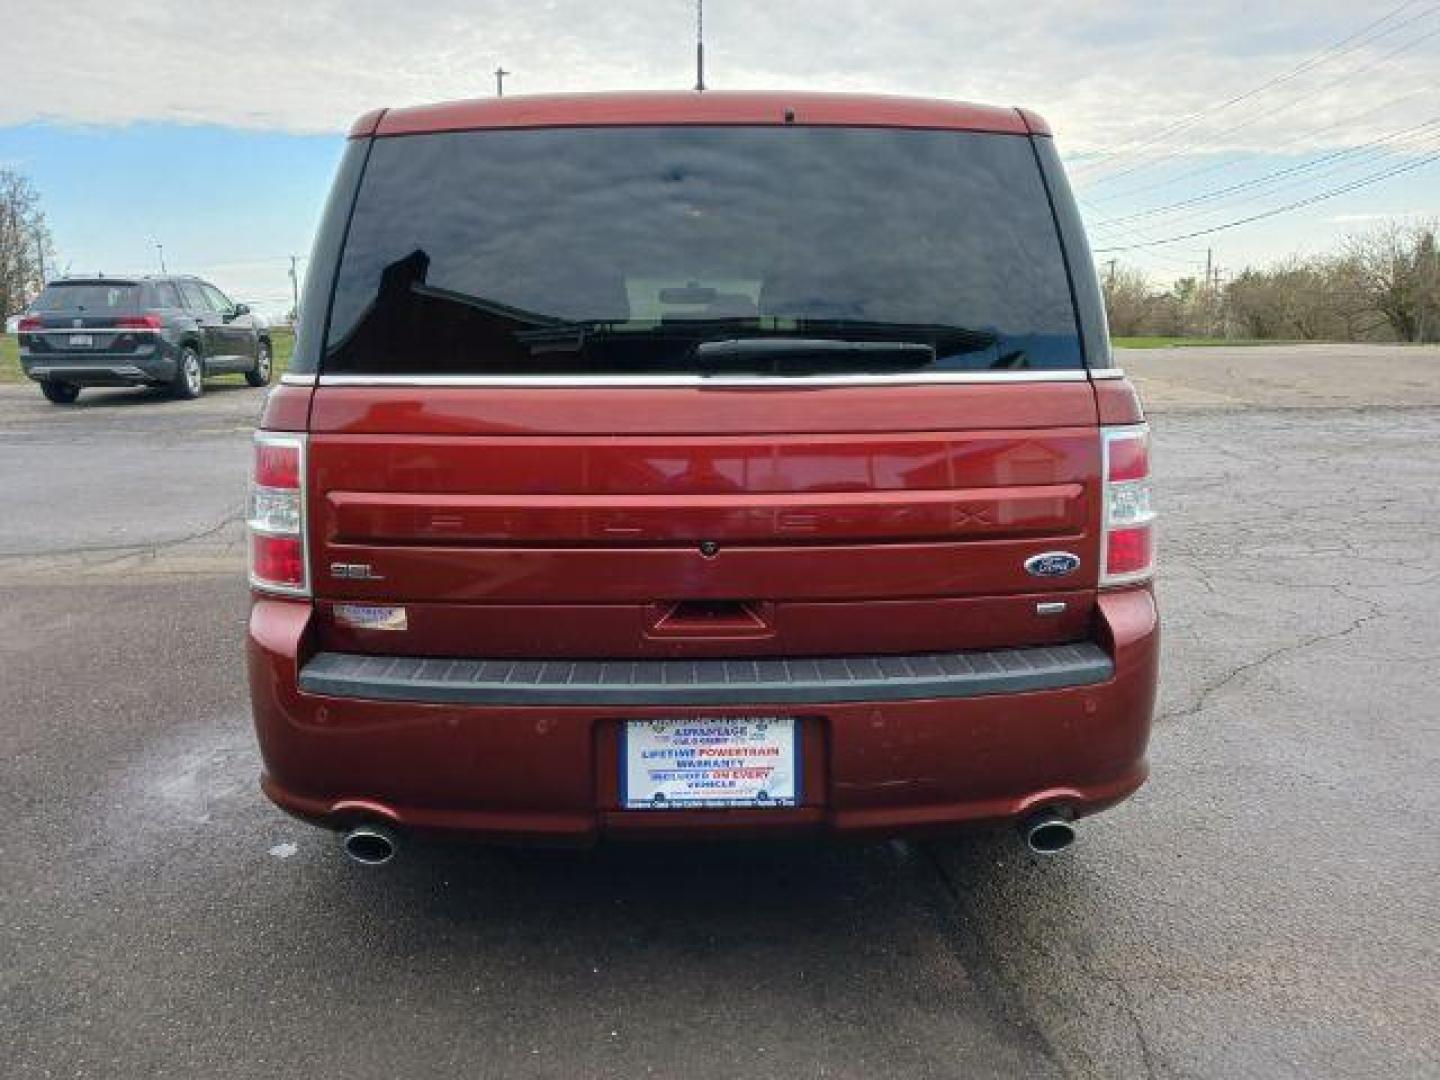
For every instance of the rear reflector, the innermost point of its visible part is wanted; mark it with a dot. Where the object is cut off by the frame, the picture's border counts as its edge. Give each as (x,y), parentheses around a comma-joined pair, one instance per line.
(1128,537)
(276,517)
(277,560)
(1128,552)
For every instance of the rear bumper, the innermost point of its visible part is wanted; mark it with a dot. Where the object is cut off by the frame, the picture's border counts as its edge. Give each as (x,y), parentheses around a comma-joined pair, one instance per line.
(155,365)
(549,770)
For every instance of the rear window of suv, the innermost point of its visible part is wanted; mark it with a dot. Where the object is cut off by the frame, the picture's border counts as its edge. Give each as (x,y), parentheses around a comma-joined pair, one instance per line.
(683,250)
(97,298)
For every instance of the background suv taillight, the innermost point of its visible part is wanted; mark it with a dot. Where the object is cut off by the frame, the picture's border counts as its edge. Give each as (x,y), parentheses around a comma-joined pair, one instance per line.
(140,322)
(276,515)
(1127,544)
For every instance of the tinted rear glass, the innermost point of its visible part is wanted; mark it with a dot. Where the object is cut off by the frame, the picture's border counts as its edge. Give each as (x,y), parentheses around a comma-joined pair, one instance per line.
(164,295)
(626,250)
(194,298)
(96,298)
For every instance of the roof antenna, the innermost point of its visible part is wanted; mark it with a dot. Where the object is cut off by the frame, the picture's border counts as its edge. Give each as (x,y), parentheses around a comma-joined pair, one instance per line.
(699,44)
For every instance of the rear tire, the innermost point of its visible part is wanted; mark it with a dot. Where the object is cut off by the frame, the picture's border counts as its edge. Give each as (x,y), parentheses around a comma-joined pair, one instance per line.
(189,381)
(263,363)
(60,393)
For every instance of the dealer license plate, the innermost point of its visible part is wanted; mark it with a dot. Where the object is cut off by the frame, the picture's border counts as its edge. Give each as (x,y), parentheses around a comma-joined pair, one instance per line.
(710,762)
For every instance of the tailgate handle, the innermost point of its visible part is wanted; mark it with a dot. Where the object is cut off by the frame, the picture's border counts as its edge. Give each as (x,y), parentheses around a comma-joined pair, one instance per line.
(710,619)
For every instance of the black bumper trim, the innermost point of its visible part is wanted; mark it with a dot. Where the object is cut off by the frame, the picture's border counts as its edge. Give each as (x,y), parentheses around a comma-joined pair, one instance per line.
(758,681)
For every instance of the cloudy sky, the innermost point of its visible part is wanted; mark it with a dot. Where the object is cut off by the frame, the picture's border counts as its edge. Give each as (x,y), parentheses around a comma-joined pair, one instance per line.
(212,127)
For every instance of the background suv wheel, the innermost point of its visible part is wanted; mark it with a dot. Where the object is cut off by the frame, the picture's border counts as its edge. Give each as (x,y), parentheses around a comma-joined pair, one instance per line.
(61,393)
(261,375)
(189,382)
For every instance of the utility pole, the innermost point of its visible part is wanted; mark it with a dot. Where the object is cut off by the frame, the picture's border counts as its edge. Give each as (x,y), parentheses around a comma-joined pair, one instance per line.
(294,289)
(1110,276)
(500,74)
(1209,262)
(699,44)
(160,248)
(40,254)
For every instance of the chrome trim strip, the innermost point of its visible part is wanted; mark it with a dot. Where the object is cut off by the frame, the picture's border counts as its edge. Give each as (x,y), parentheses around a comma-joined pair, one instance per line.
(99,330)
(296,379)
(772,382)
(1107,373)
(125,370)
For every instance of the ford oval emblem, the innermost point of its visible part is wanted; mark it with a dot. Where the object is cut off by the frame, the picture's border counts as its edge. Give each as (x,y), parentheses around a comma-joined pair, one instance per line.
(1052,564)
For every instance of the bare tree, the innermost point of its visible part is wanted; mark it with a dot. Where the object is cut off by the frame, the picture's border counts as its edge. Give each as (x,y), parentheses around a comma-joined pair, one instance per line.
(1383,285)
(1399,276)
(25,248)
(1183,311)
(1294,299)
(1355,316)
(1128,301)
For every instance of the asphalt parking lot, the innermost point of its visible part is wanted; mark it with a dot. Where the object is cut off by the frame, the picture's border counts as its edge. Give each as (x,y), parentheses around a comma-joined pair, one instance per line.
(1264,907)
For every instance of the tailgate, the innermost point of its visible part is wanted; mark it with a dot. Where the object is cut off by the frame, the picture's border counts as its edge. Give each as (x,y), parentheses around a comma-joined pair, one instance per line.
(610,522)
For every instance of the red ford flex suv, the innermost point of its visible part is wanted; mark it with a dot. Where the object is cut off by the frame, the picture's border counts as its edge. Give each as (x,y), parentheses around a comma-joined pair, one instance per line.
(702,465)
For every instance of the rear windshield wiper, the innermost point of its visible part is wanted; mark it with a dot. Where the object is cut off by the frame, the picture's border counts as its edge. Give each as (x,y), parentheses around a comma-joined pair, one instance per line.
(799,356)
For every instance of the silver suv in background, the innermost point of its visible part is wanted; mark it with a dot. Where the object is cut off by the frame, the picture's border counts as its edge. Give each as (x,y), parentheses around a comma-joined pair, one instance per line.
(151,331)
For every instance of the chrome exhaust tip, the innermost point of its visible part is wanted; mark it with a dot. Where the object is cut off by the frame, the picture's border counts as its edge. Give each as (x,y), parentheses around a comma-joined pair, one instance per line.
(1048,833)
(370,845)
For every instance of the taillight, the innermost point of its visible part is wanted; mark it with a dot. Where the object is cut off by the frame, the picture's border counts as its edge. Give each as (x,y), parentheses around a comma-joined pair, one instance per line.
(1127,546)
(140,322)
(276,516)
(28,325)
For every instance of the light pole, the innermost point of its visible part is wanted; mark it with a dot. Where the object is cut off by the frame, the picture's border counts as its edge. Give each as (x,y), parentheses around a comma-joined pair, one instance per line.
(500,74)
(160,249)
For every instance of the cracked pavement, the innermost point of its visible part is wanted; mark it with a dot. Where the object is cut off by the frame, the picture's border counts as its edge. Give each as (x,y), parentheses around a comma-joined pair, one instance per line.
(1264,907)
(124,481)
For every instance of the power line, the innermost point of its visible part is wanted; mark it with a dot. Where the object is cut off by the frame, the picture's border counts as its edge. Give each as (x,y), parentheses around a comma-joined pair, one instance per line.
(1236,206)
(1369,157)
(1150,241)
(1295,72)
(1171,181)
(1292,170)
(1131,231)
(1284,106)
(1320,197)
